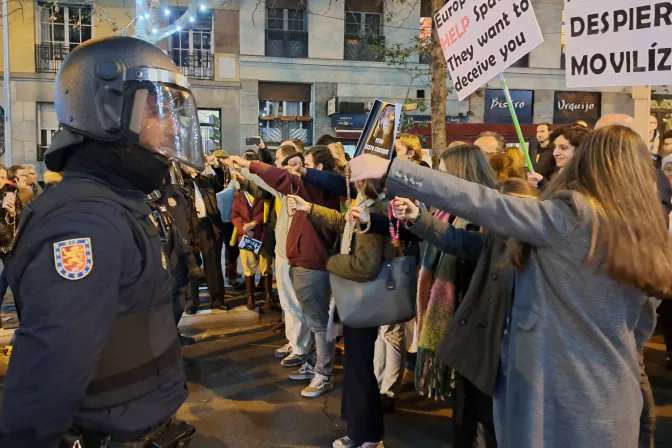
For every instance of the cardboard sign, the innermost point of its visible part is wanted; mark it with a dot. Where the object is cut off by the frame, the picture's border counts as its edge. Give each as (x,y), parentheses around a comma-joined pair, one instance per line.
(380,130)
(247,243)
(618,42)
(481,38)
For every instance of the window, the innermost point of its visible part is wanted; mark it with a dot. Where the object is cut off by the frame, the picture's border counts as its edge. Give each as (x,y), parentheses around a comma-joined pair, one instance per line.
(286,33)
(64,25)
(363,30)
(61,29)
(357,23)
(211,129)
(285,112)
(563,39)
(45,142)
(192,49)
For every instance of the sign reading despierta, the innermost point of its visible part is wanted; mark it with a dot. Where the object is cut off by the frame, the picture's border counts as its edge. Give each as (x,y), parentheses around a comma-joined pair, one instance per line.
(618,42)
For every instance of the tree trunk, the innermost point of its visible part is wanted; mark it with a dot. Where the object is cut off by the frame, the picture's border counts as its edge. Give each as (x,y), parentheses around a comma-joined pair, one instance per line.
(439,93)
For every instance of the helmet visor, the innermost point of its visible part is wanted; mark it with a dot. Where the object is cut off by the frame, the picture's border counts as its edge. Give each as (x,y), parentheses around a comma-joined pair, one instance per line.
(163,118)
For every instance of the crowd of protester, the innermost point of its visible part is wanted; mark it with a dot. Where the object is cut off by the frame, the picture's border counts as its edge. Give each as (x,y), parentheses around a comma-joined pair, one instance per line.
(536,289)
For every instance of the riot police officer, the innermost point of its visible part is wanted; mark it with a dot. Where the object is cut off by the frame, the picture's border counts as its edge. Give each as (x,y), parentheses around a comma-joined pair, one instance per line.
(172,209)
(96,360)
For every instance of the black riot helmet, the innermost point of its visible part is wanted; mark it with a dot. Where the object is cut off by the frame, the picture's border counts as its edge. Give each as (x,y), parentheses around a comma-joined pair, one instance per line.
(123,89)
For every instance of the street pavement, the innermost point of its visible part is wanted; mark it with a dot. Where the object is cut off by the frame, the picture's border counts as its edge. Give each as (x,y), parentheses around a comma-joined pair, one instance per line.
(240,395)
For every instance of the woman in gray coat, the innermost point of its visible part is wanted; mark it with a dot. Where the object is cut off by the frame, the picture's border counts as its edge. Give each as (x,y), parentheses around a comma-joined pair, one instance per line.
(590,251)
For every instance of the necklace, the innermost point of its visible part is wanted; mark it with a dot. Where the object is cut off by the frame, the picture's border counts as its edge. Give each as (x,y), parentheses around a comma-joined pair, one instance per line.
(351,229)
(394,231)
(293,193)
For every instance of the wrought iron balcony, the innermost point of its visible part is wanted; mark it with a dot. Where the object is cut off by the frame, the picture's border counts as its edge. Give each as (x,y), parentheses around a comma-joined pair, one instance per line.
(48,57)
(276,131)
(195,64)
(287,44)
(360,47)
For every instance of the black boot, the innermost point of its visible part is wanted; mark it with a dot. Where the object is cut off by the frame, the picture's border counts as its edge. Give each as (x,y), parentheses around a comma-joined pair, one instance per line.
(249,286)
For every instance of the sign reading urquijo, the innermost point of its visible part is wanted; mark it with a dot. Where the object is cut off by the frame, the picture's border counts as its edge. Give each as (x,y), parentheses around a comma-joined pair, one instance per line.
(481,38)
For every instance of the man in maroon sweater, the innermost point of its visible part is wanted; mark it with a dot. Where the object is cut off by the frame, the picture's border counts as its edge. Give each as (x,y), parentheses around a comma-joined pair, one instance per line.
(308,249)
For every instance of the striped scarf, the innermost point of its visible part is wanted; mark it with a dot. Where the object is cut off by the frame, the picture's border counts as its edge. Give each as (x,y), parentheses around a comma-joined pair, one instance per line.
(436,308)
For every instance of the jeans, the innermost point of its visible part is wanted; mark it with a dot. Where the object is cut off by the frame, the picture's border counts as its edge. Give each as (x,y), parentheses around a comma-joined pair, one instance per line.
(296,329)
(390,357)
(314,292)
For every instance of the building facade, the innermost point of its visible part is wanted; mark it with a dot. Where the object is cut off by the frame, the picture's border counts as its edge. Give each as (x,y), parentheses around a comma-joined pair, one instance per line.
(274,68)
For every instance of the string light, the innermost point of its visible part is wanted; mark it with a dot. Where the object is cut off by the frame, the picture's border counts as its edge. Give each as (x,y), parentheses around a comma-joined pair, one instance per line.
(202,7)
(191,19)
(166,11)
(146,16)
(154,30)
(178,28)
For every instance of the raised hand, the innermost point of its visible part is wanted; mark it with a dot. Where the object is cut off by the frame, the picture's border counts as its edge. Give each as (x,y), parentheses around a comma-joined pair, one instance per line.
(295,203)
(238,162)
(358,214)
(405,209)
(368,166)
(534,179)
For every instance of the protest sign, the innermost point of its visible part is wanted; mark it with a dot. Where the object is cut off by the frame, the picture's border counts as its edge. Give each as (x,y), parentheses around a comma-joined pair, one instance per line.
(481,38)
(380,130)
(618,42)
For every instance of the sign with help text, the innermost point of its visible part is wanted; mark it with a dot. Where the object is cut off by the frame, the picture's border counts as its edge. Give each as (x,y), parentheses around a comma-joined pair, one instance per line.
(380,130)
(618,42)
(481,38)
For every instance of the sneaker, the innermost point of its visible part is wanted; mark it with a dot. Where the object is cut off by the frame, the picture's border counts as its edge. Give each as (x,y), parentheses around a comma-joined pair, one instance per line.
(344,442)
(317,387)
(283,351)
(306,372)
(293,360)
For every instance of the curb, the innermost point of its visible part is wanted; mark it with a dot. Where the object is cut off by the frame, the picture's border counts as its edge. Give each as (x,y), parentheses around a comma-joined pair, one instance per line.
(201,322)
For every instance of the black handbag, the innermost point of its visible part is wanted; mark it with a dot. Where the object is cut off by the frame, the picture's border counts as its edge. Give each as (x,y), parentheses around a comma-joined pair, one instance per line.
(388,299)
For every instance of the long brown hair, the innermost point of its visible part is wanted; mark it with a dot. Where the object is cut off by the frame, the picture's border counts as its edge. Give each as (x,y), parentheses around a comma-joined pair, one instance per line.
(612,168)
(468,162)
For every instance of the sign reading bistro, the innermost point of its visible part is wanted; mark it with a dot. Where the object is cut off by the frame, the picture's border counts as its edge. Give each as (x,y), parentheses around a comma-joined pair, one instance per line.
(569,107)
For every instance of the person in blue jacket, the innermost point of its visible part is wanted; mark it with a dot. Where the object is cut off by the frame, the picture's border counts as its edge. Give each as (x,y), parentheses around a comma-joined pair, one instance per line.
(96,360)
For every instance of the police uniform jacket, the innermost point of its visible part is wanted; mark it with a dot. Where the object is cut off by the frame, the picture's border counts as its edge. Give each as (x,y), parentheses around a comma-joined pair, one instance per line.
(79,271)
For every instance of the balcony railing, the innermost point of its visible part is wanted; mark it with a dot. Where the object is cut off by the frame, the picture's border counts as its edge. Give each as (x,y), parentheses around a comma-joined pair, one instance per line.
(194,64)
(287,44)
(359,47)
(48,57)
(276,131)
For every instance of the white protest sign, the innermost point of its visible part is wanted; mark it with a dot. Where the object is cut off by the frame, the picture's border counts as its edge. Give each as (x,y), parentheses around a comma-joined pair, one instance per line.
(481,38)
(618,42)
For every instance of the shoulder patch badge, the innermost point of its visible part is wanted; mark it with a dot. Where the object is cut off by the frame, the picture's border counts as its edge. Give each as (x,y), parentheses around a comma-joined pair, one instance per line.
(73,258)
(172,202)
